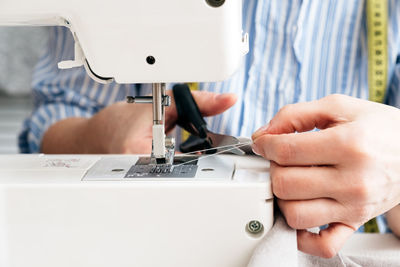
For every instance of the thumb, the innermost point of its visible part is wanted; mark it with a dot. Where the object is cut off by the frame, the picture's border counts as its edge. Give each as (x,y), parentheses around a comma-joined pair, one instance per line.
(327,242)
(301,117)
(213,104)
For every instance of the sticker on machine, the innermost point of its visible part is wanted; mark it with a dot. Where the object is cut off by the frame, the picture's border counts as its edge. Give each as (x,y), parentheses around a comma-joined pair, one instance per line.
(69,163)
(62,163)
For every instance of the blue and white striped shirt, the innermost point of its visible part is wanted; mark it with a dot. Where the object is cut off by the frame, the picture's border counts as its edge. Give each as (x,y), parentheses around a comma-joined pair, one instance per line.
(300,50)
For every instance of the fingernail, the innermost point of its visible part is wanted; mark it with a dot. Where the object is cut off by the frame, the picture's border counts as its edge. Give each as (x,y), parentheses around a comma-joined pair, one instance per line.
(220,96)
(224,96)
(260,131)
(255,149)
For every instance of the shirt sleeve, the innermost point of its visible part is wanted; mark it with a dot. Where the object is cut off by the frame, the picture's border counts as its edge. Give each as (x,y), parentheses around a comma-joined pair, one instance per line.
(42,118)
(58,94)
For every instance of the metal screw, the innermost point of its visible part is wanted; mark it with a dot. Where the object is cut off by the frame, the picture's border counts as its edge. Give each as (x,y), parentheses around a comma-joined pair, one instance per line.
(147,100)
(255,227)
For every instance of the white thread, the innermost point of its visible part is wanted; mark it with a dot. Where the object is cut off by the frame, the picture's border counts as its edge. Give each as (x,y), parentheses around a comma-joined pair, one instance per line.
(212,155)
(215,148)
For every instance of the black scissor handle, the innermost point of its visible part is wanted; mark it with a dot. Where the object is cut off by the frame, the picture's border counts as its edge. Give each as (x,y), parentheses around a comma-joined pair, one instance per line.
(189,116)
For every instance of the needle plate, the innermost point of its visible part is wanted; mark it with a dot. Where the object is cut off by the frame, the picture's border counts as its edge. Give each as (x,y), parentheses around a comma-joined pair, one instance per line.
(183,167)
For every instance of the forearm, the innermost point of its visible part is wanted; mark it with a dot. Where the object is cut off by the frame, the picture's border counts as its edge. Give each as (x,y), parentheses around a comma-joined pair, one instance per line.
(72,136)
(393,218)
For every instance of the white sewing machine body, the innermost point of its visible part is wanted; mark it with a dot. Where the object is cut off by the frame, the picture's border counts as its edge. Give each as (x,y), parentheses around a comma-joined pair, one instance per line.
(190,40)
(55,212)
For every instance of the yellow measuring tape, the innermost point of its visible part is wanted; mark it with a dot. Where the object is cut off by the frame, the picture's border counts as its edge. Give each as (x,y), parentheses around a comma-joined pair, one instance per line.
(377,23)
(371,226)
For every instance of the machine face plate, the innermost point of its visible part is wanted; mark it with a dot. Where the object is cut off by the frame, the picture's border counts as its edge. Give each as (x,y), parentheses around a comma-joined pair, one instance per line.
(180,169)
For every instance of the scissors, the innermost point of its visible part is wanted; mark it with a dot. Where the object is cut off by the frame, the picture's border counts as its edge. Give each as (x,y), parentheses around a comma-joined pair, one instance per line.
(201,139)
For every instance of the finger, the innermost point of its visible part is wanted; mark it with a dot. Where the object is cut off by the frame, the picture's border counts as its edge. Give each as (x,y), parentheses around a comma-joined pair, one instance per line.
(209,103)
(303,214)
(302,183)
(306,116)
(300,149)
(327,243)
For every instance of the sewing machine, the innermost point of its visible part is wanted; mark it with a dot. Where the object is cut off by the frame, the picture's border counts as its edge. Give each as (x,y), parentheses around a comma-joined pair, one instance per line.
(136,210)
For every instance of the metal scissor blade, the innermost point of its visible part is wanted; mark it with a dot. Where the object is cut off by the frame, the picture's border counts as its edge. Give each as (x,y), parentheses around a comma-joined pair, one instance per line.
(225,143)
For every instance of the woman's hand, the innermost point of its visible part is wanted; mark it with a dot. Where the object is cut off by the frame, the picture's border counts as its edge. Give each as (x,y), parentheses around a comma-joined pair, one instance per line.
(343,175)
(122,127)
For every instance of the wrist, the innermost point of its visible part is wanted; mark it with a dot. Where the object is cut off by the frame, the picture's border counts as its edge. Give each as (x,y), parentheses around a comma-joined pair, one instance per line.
(67,136)
(93,134)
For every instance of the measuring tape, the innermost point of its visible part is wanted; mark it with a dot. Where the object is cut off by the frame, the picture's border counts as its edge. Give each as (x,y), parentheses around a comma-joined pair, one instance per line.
(377,23)
(371,226)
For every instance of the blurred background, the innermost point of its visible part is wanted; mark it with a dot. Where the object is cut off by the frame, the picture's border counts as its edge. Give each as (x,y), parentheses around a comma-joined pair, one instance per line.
(20,49)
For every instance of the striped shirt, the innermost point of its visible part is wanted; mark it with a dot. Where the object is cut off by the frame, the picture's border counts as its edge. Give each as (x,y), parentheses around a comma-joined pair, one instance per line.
(300,50)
